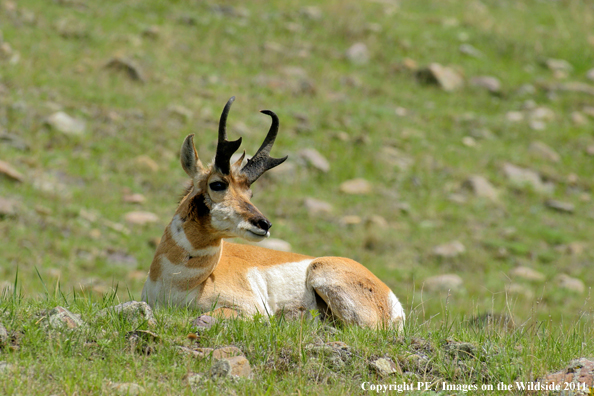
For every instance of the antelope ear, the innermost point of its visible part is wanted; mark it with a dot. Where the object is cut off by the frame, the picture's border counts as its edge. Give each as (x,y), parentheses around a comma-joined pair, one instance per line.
(189,157)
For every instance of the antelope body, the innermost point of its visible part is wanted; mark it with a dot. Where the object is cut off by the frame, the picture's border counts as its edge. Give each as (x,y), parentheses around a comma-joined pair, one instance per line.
(194,266)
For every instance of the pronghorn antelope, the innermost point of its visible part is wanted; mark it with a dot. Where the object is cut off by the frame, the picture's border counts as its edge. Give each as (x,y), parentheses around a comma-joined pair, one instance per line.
(194,266)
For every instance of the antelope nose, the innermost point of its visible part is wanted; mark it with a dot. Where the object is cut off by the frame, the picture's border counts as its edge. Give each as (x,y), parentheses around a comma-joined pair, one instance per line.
(263,224)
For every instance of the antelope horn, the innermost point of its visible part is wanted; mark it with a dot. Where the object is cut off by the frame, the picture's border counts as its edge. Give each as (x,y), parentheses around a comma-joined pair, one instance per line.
(262,161)
(225,148)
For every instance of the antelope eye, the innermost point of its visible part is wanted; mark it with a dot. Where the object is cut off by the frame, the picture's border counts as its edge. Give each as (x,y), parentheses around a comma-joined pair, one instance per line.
(218,186)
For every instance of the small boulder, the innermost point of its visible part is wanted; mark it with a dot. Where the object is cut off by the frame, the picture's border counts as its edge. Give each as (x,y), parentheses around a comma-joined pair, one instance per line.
(61,318)
(560,206)
(526,177)
(8,207)
(66,124)
(3,335)
(443,283)
(358,54)
(316,207)
(491,84)
(126,388)
(8,171)
(446,78)
(385,367)
(203,322)
(578,371)
(527,273)
(236,366)
(449,250)
(482,188)
(313,158)
(141,217)
(542,150)
(356,187)
(571,284)
(136,312)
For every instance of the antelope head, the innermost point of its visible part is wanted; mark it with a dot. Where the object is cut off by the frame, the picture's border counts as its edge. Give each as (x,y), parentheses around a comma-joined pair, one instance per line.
(219,197)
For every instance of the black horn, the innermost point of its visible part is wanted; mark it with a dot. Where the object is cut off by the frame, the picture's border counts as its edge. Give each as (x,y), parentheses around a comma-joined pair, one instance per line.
(225,148)
(262,161)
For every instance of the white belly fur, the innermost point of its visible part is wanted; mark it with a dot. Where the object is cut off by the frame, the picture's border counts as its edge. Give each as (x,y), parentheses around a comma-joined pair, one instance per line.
(282,289)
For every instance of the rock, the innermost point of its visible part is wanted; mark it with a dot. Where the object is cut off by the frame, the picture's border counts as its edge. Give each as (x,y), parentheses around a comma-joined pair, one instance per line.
(350,220)
(126,388)
(356,187)
(237,366)
(134,198)
(315,206)
(8,171)
(558,65)
(152,32)
(394,157)
(147,163)
(6,368)
(14,141)
(526,177)
(203,322)
(226,352)
(385,367)
(514,116)
(469,141)
(491,84)
(447,78)
(275,244)
(119,257)
(590,74)
(482,188)
(135,312)
(469,50)
(66,124)
(8,207)
(3,335)
(568,283)
(578,371)
(578,118)
(590,150)
(443,283)
(519,289)
(527,273)
(312,12)
(314,159)
(537,125)
(449,250)
(127,67)
(461,350)
(560,206)
(358,54)
(544,151)
(141,218)
(575,86)
(61,318)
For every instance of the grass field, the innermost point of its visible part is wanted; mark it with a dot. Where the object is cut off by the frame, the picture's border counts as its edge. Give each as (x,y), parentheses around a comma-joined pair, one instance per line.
(138,76)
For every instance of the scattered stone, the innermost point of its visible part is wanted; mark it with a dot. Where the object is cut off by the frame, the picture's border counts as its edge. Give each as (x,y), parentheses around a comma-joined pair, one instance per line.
(141,218)
(590,150)
(314,206)
(3,335)
(469,141)
(494,319)
(568,283)
(237,366)
(275,244)
(312,12)
(537,125)
(147,163)
(544,151)
(226,352)
(140,341)
(135,312)
(204,322)
(7,170)
(461,350)
(314,159)
(578,371)
(134,198)
(358,54)
(526,89)
(356,187)
(527,273)
(183,113)
(394,157)
(152,32)
(126,66)
(443,283)
(351,220)
(6,368)
(469,50)
(558,65)
(576,248)
(122,258)
(482,188)
(8,207)
(522,177)
(126,388)
(66,124)
(14,141)
(491,84)
(560,206)
(447,78)
(449,250)
(575,86)
(540,113)
(578,118)
(519,289)
(61,318)
(385,367)
(514,116)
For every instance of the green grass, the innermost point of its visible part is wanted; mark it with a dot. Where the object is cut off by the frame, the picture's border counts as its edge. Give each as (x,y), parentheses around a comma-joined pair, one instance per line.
(285,58)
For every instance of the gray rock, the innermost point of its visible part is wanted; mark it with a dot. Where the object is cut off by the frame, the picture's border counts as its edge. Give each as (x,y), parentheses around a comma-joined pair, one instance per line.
(8,207)
(314,159)
(560,206)
(385,367)
(568,283)
(449,250)
(527,273)
(61,318)
(394,157)
(204,322)
(135,312)
(491,84)
(275,244)
(3,335)
(544,151)
(315,206)
(443,283)
(526,177)
(469,50)
(578,118)
(126,66)
(126,388)
(482,188)
(236,366)
(578,371)
(590,74)
(66,124)
(447,78)
(141,217)
(356,187)
(519,289)
(11,173)
(6,368)
(558,65)
(461,350)
(358,54)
